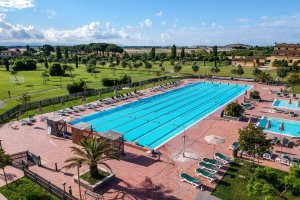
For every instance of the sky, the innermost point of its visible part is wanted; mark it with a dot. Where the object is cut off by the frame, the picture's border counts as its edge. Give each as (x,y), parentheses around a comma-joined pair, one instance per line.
(149,22)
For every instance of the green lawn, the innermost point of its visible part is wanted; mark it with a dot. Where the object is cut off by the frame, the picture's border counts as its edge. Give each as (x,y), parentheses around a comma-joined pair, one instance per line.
(233,185)
(25,189)
(91,180)
(34,84)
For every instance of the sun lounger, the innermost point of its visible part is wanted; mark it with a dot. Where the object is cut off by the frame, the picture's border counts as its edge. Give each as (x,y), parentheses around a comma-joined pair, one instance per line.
(26,121)
(43,118)
(74,109)
(285,142)
(139,93)
(295,162)
(278,111)
(212,162)
(234,146)
(116,98)
(31,118)
(267,155)
(191,180)
(222,158)
(292,114)
(62,112)
(80,108)
(285,159)
(285,94)
(68,110)
(210,177)
(14,126)
(275,141)
(209,167)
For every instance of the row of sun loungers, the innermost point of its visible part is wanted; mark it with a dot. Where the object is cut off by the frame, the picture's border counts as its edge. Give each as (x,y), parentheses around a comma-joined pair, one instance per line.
(166,86)
(28,121)
(122,97)
(207,169)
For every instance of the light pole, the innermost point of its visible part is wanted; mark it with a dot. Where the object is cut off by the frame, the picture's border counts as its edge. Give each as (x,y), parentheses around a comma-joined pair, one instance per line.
(184,138)
(78,166)
(0,144)
(64,184)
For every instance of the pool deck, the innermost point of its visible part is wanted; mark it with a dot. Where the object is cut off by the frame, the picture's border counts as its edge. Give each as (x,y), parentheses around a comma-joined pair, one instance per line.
(139,176)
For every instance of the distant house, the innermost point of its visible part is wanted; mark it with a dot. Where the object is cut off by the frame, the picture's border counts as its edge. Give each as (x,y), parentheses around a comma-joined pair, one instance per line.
(9,53)
(288,52)
(249,61)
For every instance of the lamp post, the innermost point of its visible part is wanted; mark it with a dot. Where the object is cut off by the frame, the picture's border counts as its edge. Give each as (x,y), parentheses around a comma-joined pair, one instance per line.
(184,138)
(0,144)
(78,166)
(64,184)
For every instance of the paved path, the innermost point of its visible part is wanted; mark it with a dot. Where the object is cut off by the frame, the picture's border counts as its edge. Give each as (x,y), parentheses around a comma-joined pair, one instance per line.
(30,93)
(1,104)
(204,195)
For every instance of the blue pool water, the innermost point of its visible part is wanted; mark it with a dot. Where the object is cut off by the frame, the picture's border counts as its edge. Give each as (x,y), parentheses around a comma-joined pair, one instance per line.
(154,120)
(280,103)
(291,128)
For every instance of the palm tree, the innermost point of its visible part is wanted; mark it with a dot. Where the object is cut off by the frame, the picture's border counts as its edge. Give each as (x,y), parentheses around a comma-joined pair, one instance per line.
(93,153)
(5,160)
(215,70)
(264,76)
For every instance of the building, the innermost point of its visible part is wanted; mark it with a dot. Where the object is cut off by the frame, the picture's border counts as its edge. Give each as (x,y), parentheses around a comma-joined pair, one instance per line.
(9,53)
(288,52)
(250,61)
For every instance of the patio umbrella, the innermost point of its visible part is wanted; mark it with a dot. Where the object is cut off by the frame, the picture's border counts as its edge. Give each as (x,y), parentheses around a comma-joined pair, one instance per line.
(290,101)
(40,108)
(268,124)
(62,102)
(214,139)
(246,92)
(298,103)
(281,90)
(250,120)
(281,128)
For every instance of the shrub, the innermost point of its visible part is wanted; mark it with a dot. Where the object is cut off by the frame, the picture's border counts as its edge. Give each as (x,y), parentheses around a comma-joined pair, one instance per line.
(111,82)
(24,65)
(56,70)
(76,87)
(125,79)
(254,95)
(234,109)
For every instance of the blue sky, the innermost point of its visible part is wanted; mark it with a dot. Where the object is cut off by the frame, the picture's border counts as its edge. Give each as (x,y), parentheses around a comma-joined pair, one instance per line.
(149,22)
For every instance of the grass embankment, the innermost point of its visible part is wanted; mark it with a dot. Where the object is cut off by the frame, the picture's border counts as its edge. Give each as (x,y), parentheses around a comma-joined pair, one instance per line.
(24,189)
(233,185)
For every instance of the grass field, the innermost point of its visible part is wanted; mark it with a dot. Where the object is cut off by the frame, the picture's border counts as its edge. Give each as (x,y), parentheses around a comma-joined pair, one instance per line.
(233,185)
(25,189)
(34,82)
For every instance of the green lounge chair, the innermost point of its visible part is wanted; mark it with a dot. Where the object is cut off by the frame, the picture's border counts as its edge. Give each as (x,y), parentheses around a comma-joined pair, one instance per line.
(275,141)
(278,94)
(222,158)
(209,167)
(212,162)
(210,177)
(193,181)
(234,146)
(292,114)
(31,118)
(285,142)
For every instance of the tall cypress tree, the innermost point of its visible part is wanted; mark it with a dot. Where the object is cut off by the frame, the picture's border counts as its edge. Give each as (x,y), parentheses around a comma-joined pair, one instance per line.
(173,51)
(58,52)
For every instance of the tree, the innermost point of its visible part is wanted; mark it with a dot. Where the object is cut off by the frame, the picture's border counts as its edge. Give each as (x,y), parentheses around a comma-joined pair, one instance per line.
(25,98)
(46,65)
(292,181)
(45,76)
(6,63)
(152,53)
(76,60)
(253,140)
(92,153)
(124,64)
(5,160)
(293,79)
(15,73)
(66,53)
(195,68)
(264,77)
(282,72)
(256,71)
(240,70)
(58,53)
(177,68)
(234,72)
(182,53)
(255,95)
(234,109)
(76,87)
(215,54)
(56,70)
(103,63)
(173,52)
(148,66)
(295,66)
(70,69)
(24,65)
(47,49)
(215,70)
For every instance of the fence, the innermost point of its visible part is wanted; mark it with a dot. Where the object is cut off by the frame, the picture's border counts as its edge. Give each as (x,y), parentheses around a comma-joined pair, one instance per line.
(31,105)
(47,185)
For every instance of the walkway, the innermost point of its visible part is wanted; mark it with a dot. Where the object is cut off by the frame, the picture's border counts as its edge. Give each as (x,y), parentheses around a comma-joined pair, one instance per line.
(204,195)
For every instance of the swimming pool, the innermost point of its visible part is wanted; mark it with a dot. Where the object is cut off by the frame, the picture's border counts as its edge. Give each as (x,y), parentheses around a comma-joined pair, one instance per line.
(153,121)
(280,103)
(291,128)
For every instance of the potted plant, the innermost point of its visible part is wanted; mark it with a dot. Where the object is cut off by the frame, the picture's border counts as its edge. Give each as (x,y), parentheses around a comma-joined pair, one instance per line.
(254,95)
(234,111)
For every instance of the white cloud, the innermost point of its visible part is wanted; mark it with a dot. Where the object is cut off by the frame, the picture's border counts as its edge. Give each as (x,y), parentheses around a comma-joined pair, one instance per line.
(51,13)
(164,37)
(146,23)
(2,16)
(213,24)
(15,4)
(163,22)
(159,14)
(243,19)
